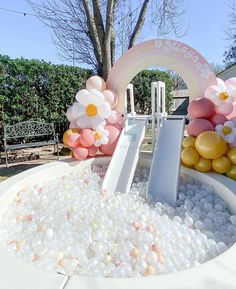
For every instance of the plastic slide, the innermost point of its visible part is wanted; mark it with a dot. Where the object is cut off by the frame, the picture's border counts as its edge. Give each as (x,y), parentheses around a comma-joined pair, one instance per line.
(122,167)
(164,173)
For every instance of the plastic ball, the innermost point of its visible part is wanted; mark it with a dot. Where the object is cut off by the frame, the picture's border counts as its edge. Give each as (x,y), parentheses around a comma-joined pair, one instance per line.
(232,172)
(92,151)
(201,108)
(114,134)
(203,165)
(210,145)
(199,125)
(218,119)
(95,82)
(232,155)
(189,156)
(111,97)
(73,140)
(80,153)
(188,142)
(224,108)
(221,165)
(87,138)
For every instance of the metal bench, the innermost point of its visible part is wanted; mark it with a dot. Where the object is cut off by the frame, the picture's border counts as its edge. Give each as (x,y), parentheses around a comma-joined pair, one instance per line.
(29,134)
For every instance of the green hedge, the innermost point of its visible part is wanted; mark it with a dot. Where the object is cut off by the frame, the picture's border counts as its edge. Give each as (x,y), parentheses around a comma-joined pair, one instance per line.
(142,89)
(37,90)
(40,91)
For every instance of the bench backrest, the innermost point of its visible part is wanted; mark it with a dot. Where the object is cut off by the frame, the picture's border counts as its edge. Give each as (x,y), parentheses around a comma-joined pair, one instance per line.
(28,129)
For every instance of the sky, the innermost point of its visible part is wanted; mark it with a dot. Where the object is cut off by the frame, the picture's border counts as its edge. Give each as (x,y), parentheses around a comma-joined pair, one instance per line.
(26,36)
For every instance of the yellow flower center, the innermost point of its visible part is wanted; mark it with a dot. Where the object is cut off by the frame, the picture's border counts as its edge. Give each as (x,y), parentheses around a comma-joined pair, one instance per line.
(223,95)
(227,130)
(98,135)
(91,110)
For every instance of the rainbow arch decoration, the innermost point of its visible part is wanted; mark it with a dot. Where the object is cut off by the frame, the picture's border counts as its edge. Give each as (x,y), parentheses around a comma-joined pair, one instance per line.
(175,55)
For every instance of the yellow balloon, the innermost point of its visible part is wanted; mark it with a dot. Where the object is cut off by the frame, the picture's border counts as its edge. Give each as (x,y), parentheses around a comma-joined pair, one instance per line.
(188,142)
(210,145)
(221,165)
(232,173)
(203,165)
(68,132)
(187,166)
(232,155)
(189,156)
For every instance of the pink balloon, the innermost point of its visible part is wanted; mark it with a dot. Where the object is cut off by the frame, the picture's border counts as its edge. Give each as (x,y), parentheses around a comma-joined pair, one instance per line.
(111,97)
(201,108)
(80,153)
(224,108)
(87,138)
(73,140)
(233,113)
(218,119)
(92,151)
(114,134)
(113,117)
(198,125)
(95,82)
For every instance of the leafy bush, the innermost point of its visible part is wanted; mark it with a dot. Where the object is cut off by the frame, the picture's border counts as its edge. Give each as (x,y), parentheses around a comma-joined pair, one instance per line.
(40,91)
(142,89)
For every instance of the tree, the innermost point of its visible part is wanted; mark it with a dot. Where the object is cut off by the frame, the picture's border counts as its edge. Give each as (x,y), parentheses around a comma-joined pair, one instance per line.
(94,32)
(230,31)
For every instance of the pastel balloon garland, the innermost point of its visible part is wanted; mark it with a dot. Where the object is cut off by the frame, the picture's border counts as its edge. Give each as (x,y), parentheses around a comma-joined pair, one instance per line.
(211,144)
(95,125)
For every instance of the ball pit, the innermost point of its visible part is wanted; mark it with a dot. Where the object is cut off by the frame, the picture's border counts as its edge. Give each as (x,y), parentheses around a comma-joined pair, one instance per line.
(60,169)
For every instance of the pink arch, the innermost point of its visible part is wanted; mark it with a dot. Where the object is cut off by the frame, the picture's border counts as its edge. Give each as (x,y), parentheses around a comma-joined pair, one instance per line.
(174,55)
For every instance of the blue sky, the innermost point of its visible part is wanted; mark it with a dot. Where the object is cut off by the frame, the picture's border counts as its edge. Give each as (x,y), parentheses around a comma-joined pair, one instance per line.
(28,37)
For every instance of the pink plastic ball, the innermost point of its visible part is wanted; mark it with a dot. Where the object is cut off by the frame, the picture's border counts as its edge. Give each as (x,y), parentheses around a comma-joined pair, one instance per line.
(224,108)
(201,108)
(197,126)
(96,82)
(218,119)
(80,153)
(87,138)
(73,140)
(111,97)
(114,134)
(92,151)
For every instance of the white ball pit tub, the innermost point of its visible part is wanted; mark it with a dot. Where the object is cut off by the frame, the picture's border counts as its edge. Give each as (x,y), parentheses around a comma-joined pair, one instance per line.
(217,273)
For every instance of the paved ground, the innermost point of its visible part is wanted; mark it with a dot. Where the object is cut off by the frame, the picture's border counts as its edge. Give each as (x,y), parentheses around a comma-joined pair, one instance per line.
(37,157)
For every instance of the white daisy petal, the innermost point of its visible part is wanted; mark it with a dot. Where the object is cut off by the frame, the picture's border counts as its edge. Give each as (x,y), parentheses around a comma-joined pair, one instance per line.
(84,122)
(229,138)
(78,109)
(229,124)
(219,128)
(97,121)
(104,140)
(230,99)
(104,109)
(234,131)
(83,93)
(97,143)
(83,98)
(98,97)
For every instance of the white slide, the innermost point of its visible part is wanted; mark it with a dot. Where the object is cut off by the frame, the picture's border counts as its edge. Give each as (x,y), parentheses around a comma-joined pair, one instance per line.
(164,173)
(120,173)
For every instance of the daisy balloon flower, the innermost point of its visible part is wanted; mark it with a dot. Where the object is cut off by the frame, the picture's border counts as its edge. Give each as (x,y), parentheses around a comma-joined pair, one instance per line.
(221,93)
(227,131)
(101,136)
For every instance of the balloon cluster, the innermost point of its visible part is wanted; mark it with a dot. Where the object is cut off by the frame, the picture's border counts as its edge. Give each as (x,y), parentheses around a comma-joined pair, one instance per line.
(211,144)
(95,125)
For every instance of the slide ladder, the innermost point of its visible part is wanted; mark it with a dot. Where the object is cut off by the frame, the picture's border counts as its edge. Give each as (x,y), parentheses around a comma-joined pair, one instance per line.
(164,173)
(120,173)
